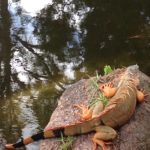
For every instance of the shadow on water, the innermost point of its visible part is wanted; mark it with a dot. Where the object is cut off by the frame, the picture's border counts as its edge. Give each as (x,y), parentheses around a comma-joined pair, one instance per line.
(45,48)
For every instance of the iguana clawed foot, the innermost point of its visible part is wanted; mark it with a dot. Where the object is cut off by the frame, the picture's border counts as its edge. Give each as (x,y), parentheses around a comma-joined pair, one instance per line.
(86,113)
(102,136)
(141,95)
(108,89)
(100,143)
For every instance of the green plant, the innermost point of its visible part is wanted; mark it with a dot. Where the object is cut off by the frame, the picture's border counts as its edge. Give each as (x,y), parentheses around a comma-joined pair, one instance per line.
(94,83)
(66,142)
(107,69)
(100,96)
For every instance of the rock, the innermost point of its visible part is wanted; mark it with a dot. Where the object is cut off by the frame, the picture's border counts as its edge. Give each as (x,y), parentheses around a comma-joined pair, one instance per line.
(135,135)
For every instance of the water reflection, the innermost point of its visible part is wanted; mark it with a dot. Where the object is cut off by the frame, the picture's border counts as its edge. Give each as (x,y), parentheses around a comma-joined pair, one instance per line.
(41,55)
(55,43)
(28,6)
(5,49)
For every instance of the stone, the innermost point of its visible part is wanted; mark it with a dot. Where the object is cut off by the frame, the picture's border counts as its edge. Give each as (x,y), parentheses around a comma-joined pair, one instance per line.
(134,135)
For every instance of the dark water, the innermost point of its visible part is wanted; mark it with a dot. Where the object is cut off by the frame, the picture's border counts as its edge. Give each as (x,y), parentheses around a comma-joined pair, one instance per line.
(47,45)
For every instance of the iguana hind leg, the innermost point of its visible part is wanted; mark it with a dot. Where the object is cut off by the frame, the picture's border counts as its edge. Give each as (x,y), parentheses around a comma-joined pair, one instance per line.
(102,136)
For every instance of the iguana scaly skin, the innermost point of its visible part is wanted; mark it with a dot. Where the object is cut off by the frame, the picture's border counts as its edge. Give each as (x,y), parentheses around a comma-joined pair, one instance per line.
(118,111)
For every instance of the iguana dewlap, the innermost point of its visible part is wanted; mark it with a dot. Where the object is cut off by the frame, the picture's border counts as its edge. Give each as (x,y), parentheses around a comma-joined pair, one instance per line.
(118,111)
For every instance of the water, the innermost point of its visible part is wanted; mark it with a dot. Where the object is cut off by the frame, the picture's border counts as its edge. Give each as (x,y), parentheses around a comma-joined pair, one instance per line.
(47,45)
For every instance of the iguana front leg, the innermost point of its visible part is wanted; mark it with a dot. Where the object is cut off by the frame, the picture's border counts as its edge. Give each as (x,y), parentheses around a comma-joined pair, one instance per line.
(92,112)
(102,136)
(86,113)
(140,95)
(108,89)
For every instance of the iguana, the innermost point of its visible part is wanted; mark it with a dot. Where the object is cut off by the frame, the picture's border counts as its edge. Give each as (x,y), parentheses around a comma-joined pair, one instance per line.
(116,113)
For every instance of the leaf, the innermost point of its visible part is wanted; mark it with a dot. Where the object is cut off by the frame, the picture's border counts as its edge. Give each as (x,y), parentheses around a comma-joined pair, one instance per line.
(107,69)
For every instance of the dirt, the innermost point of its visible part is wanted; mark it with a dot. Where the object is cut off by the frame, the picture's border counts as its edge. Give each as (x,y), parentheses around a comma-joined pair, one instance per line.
(134,135)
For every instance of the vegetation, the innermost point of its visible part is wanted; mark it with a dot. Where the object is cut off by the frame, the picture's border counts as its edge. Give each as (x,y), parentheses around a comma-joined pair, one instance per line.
(107,69)
(100,96)
(94,83)
(66,142)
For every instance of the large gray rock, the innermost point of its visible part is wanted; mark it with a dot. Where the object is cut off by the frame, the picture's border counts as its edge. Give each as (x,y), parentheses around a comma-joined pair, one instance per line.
(135,135)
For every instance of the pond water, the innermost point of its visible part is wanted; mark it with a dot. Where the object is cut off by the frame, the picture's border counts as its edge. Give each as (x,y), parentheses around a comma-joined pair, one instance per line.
(47,45)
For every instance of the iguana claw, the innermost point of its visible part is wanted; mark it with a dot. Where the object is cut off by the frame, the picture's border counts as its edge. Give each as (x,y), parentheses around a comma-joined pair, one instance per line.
(86,113)
(108,89)
(102,136)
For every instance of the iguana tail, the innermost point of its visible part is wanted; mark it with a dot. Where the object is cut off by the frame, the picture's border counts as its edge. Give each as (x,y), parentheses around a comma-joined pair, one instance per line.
(28,140)
(69,130)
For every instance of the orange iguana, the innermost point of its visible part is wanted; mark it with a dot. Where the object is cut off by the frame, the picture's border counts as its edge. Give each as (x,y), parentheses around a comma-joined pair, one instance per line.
(116,113)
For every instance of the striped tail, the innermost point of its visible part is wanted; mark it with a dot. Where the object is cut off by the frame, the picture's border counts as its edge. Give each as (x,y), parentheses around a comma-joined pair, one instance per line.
(28,140)
(69,130)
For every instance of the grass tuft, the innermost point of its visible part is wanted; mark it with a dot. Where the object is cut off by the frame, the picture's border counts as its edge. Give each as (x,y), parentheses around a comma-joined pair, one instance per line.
(66,142)
(100,96)
(94,83)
